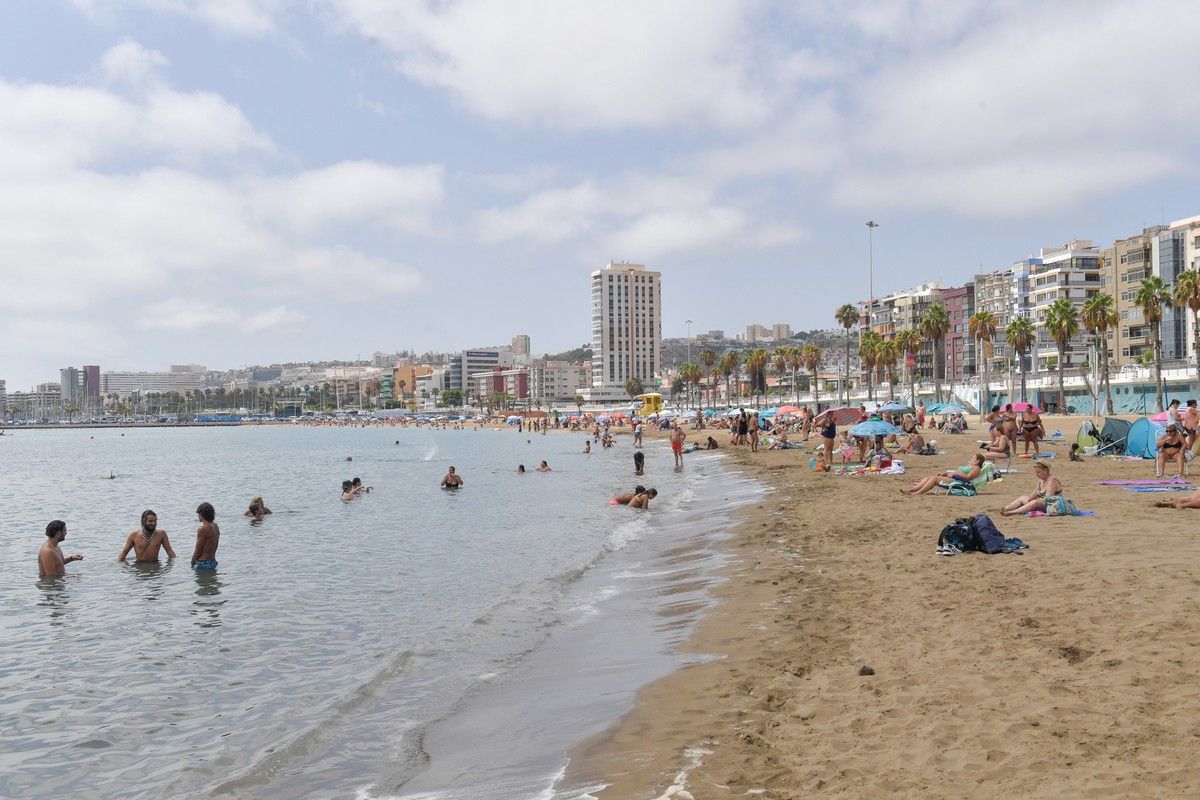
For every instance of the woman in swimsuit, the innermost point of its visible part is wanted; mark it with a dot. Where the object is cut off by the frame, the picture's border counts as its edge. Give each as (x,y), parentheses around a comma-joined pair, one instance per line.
(1170,447)
(1000,446)
(962,474)
(995,420)
(1031,428)
(1036,500)
(828,437)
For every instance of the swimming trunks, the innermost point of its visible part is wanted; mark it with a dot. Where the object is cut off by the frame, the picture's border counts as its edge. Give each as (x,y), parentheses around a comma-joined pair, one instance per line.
(677,447)
(210,564)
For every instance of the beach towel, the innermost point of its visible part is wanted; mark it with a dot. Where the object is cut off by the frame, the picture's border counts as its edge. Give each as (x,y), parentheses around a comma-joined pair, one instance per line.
(1150,489)
(1147,482)
(1078,513)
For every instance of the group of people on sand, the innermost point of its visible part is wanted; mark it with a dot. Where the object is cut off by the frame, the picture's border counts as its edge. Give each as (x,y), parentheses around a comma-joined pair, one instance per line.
(1006,425)
(145,543)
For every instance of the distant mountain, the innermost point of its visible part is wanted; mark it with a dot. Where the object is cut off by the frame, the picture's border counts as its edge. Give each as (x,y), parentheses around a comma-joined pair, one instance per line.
(578,355)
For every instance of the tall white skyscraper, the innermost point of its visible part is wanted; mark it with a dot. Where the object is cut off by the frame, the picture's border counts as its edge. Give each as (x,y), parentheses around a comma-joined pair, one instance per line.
(626,328)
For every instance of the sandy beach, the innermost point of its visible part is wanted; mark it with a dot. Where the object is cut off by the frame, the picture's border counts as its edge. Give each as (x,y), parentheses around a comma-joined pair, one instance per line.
(1069,670)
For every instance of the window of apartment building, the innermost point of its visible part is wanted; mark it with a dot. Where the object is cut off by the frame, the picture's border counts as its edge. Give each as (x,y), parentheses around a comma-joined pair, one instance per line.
(1136,275)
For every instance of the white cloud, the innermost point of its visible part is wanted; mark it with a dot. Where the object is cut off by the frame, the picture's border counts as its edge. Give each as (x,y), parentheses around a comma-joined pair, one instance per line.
(183,315)
(577,64)
(130,62)
(401,198)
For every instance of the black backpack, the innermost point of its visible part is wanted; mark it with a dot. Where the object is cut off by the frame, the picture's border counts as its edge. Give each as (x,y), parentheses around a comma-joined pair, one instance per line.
(960,535)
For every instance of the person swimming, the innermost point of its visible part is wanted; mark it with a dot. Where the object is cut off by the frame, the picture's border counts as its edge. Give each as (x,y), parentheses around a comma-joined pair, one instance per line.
(520,469)
(451,480)
(543,467)
(348,491)
(643,499)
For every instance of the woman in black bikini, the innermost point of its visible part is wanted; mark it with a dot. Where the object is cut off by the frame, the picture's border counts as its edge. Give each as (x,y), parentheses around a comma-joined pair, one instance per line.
(1031,429)
(1170,447)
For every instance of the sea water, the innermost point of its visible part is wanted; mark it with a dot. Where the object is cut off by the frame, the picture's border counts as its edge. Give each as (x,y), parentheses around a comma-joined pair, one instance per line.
(413,643)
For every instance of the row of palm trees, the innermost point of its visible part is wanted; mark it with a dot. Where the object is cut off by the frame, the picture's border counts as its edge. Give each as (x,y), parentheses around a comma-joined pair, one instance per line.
(1063,322)
(754,364)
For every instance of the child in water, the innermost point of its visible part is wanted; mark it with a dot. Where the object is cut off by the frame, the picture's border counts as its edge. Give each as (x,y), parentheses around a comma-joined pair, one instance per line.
(639,463)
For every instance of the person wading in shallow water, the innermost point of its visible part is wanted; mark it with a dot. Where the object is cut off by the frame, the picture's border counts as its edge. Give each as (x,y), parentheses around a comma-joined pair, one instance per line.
(51,562)
(146,541)
(208,536)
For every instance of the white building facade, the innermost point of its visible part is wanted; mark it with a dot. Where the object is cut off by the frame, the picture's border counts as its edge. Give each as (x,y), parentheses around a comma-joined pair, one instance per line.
(626,329)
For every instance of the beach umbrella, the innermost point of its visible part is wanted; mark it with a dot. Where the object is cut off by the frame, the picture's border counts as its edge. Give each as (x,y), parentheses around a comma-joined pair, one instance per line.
(602,419)
(874,427)
(788,410)
(768,412)
(710,412)
(894,406)
(668,414)
(1023,406)
(951,408)
(842,415)
(512,419)
(1159,417)
(733,412)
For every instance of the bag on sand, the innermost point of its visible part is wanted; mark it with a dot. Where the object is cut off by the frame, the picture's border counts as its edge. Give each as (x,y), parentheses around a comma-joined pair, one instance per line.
(1059,506)
(987,535)
(962,489)
(957,537)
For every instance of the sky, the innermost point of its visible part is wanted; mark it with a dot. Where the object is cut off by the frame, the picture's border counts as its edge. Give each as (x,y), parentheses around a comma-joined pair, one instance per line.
(232,182)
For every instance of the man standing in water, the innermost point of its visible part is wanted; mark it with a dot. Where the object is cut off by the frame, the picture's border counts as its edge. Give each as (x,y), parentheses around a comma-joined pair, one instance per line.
(146,541)
(451,480)
(51,562)
(208,536)
(677,436)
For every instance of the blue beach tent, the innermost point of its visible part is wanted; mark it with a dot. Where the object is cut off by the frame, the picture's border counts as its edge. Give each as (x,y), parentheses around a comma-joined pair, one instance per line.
(1143,439)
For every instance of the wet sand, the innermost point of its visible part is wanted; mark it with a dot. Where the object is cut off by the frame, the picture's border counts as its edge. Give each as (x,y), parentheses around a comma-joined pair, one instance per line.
(1068,671)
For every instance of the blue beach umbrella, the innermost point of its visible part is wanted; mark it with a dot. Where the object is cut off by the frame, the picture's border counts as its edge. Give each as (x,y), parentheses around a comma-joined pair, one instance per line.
(710,412)
(733,412)
(768,412)
(894,406)
(951,408)
(874,427)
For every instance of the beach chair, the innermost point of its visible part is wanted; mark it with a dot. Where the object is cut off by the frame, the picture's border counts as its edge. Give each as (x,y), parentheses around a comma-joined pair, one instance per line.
(957,425)
(986,476)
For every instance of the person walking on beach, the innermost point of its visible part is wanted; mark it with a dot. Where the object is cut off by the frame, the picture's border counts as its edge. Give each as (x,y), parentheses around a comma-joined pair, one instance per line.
(51,562)
(146,541)
(677,436)
(208,536)
(1190,419)
(637,433)
(754,431)
(451,480)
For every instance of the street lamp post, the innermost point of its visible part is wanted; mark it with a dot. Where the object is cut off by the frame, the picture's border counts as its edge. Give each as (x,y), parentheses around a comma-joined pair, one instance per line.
(688,322)
(871,226)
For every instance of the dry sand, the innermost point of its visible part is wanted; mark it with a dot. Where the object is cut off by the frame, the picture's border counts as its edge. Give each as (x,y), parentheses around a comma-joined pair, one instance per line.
(1068,671)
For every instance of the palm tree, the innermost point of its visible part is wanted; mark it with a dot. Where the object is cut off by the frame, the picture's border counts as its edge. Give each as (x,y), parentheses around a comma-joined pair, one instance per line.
(731,362)
(909,343)
(848,316)
(886,353)
(1098,316)
(795,363)
(1062,322)
(935,323)
(578,400)
(982,327)
(779,360)
(1187,293)
(1152,296)
(633,387)
(810,355)
(867,352)
(756,370)
(707,359)
(1020,335)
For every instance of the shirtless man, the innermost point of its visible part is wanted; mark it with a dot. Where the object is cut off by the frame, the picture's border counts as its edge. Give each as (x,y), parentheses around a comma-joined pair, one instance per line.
(624,499)
(51,562)
(677,437)
(348,491)
(146,541)
(451,480)
(359,487)
(208,536)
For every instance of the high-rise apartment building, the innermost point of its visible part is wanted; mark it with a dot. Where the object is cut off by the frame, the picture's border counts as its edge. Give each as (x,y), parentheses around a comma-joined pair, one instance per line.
(626,328)
(1071,271)
(901,311)
(71,382)
(91,386)
(3,400)
(469,362)
(781,331)
(960,347)
(520,345)
(755,333)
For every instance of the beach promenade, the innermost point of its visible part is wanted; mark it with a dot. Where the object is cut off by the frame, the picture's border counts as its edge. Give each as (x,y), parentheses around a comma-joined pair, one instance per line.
(1070,670)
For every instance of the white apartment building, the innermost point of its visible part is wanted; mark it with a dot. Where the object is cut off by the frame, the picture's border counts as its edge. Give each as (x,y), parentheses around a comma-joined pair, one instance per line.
(181,378)
(626,329)
(558,381)
(1071,271)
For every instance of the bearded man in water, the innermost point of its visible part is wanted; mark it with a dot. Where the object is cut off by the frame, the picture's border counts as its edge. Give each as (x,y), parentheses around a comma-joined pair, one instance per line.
(146,541)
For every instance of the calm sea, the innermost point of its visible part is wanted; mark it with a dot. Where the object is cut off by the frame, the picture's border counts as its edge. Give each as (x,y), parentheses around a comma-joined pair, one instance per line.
(414,643)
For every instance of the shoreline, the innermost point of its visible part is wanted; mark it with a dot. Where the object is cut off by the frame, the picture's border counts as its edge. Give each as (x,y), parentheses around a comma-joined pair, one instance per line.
(1068,670)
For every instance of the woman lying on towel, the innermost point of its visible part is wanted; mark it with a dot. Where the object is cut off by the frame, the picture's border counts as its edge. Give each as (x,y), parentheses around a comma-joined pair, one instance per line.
(1191,501)
(1044,498)
(963,474)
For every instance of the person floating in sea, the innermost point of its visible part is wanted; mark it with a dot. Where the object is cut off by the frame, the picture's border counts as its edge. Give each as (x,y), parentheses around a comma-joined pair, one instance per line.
(643,500)
(587,445)
(51,562)
(639,463)
(348,491)
(146,541)
(262,508)
(208,536)
(520,469)
(677,437)
(452,480)
(360,487)
(543,467)
(349,458)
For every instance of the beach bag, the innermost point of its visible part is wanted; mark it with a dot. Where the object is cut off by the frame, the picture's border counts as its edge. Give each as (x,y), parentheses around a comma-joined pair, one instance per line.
(1059,506)
(988,536)
(959,536)
(962,489)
